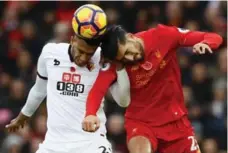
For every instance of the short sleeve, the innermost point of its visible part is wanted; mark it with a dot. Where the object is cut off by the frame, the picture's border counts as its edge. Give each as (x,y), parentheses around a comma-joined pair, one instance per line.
(41,65)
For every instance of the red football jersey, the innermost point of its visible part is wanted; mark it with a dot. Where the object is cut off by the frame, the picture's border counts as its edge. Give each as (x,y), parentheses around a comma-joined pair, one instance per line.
(156,91)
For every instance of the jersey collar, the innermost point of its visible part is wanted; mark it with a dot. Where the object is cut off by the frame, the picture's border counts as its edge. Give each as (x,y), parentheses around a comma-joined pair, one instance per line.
(70,55)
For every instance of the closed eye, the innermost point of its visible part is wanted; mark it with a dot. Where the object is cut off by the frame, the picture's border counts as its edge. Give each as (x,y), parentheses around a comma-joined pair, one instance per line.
(127,52)
(83,52)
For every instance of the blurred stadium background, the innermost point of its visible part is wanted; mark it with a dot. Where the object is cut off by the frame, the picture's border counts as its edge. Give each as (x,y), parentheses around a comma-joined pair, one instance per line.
(26,26)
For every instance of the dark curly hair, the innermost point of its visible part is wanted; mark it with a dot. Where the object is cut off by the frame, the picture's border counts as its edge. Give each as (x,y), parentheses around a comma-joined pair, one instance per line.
(109,44)
(92,42)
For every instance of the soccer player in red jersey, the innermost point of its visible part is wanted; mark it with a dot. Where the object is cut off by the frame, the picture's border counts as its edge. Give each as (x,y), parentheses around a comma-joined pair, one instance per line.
(156,118)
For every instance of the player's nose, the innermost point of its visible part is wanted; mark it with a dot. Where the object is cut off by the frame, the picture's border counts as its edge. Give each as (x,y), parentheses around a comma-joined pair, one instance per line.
(83,58)
(138,57)
(129,57)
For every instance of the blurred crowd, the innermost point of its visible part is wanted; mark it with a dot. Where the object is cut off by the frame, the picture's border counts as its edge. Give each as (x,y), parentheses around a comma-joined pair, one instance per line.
(26,26)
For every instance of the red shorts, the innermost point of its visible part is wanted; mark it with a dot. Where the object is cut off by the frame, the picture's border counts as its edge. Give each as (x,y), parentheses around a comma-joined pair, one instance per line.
(174,137)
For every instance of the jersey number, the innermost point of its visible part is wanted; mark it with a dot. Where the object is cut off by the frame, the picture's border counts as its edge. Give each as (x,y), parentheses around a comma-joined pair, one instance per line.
(194,145)
(105,150)
(62,86)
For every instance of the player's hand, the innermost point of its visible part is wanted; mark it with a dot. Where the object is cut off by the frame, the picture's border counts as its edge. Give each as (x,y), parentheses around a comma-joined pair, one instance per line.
(90,123)
(17,123)
(201,48)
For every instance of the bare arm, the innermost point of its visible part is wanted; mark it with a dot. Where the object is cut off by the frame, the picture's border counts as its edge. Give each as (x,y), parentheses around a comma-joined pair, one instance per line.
(120,90)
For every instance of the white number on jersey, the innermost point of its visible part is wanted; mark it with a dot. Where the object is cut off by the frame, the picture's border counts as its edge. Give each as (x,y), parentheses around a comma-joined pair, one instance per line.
(194,145)
(104,149)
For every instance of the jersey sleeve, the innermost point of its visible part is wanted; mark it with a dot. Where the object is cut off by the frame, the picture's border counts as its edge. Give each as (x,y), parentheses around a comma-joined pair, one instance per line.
(104,80)
(38,92)
(190,38)
(36,95)
(41,65)
(187,38)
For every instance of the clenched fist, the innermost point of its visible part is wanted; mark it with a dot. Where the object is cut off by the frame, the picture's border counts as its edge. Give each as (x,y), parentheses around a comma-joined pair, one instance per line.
(201,48)
(90,123)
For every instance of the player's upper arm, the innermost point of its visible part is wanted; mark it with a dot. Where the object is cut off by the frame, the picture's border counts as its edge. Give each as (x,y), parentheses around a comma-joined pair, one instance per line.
(187,38)
(41,65)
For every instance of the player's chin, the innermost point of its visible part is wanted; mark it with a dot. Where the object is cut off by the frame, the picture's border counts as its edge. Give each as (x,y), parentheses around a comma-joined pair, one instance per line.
(140,59)
(80,63)
(133,62)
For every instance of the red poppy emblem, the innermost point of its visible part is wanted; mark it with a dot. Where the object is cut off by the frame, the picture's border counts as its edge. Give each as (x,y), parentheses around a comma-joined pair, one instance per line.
(147,65)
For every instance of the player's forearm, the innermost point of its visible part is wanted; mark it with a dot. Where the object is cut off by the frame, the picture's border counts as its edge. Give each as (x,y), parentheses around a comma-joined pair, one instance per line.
(93,102)
(95,96)
(213,40)
(36,95)
(120,90)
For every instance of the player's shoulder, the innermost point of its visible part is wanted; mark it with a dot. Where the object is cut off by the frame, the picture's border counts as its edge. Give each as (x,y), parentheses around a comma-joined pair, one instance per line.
(159,29)
(164,29)
(55,49)
(153,32)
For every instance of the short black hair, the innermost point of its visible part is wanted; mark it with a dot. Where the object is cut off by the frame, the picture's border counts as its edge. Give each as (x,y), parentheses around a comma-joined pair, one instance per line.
(93,42)
(109,45)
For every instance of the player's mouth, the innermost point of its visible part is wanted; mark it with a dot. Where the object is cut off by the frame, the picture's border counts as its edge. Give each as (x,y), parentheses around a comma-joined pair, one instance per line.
(80,63)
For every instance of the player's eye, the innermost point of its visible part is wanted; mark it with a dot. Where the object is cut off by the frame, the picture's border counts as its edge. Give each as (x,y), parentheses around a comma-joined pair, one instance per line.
(80,51)
(127,52)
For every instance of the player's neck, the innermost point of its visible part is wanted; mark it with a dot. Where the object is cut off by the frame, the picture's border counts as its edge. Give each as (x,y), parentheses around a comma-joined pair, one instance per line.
(72,51)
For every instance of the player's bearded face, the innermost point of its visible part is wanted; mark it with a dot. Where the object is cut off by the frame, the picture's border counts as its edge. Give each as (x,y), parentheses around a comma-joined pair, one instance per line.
(131,52)
(81,51)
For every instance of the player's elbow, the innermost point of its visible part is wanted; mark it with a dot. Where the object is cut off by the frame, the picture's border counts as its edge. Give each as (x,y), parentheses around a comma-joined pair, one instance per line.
(125,104)
(219,39)
(125,101)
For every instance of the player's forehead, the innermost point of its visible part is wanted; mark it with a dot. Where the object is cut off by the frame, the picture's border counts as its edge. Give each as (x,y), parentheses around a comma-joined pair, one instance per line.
(84,47)
(126,46)
(122,48)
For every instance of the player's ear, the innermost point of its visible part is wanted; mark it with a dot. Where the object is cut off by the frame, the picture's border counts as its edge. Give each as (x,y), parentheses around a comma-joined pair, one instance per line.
(72,39)
(129,35)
